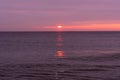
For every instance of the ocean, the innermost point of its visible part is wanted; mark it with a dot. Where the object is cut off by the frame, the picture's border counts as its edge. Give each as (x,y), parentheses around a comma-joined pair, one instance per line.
(60,55)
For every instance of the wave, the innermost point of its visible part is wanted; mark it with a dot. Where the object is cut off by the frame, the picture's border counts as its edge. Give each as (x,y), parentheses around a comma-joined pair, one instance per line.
(103,57)
(59,72)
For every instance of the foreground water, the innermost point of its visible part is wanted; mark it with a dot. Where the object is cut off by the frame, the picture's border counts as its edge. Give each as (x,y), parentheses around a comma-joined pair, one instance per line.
(87,56)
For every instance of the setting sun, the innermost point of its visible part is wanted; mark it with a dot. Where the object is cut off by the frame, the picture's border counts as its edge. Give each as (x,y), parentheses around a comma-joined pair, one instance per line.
(59,27)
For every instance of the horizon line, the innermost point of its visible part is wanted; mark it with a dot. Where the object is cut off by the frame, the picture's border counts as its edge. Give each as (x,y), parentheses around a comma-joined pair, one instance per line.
(60,31)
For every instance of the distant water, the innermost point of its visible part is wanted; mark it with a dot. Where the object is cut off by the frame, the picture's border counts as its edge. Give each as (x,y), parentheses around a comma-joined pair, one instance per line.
(86,56)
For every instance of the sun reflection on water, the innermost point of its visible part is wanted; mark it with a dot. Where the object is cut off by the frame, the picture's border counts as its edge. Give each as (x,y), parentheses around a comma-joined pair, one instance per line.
(60,52)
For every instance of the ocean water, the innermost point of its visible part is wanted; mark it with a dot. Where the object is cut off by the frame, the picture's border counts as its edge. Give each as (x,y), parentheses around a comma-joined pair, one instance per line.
(59,55)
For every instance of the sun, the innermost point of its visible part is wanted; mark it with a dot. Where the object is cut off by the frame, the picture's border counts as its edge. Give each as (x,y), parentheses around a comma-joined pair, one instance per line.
(59,27)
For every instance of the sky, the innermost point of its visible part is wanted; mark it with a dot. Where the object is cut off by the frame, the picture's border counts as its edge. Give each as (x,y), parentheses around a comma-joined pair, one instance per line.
(73,15)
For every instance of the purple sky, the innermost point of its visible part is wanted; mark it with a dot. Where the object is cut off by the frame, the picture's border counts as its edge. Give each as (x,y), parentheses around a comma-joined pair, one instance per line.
(17,15)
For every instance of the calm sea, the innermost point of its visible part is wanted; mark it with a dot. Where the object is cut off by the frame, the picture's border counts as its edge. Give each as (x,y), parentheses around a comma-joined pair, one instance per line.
(59,55)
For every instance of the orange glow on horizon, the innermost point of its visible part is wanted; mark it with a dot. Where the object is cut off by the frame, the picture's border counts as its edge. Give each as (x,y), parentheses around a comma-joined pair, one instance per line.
(94,27)
(83,27)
